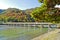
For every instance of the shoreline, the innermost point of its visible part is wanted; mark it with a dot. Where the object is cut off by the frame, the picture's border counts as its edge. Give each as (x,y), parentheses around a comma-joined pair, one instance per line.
(47,36)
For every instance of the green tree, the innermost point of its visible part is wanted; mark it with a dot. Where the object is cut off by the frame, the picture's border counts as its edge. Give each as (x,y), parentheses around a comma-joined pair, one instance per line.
(47,12)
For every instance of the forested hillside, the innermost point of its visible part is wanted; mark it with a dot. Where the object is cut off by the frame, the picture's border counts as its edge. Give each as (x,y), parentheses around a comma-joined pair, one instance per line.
(16,15)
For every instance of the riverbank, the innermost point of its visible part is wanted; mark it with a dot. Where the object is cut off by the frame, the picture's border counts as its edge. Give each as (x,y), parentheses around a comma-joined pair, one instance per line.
(57,37)
(48,36)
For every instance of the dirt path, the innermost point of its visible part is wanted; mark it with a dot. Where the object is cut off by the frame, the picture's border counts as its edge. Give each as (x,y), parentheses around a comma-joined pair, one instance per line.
(58,36)
(53,35)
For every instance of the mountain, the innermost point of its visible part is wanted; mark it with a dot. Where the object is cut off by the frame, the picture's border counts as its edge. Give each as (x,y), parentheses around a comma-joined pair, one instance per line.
(16,15)
(1,10)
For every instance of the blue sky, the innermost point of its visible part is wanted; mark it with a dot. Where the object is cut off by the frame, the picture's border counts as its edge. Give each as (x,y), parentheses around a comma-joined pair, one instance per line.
(21,4)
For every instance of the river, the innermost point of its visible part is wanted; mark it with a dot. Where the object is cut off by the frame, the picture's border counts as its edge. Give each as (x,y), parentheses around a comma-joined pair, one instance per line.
(13,32)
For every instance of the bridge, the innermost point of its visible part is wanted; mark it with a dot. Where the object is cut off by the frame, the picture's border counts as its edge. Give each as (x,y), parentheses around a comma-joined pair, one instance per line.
(31,24)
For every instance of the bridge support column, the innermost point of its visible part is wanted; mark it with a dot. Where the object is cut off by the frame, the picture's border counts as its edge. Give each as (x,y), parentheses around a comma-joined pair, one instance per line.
(49,27)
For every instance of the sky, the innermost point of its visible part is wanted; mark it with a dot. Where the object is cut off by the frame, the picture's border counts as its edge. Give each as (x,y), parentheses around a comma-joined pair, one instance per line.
(21,4)
(57,6)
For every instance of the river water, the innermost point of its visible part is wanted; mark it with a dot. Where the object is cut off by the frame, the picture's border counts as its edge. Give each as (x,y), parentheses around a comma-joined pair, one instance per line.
(18,32)
(13,32)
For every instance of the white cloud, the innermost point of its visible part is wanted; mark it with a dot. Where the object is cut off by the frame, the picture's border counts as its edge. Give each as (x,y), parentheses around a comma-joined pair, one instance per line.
(4,5)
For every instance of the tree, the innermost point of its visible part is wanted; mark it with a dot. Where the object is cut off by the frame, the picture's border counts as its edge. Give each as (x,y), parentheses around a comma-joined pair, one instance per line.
(47,11)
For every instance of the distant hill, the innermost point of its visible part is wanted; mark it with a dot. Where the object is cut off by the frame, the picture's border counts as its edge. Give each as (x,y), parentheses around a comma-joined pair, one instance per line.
(1,10)
(16,15)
